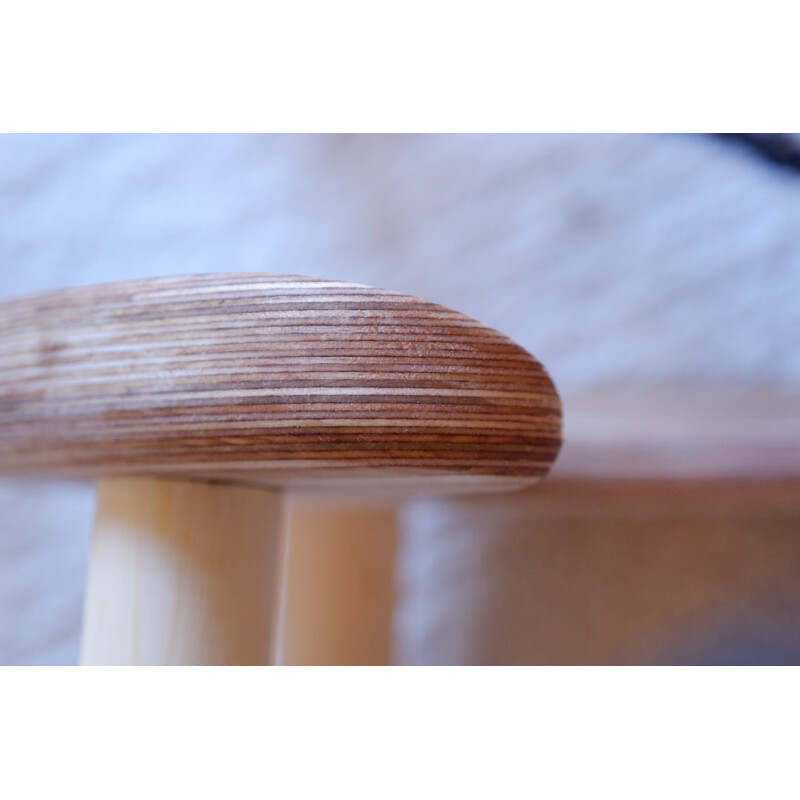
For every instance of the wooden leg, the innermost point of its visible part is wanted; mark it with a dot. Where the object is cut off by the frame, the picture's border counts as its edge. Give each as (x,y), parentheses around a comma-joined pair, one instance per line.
(181,573)
(338,596)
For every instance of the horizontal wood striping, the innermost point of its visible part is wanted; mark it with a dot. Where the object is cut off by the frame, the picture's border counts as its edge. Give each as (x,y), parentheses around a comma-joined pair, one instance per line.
(279,380)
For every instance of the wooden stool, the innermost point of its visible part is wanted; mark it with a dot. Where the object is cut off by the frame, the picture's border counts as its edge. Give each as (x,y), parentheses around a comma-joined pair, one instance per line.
(201,402)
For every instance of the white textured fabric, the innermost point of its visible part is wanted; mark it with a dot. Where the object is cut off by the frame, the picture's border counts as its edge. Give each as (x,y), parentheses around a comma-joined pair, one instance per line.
(616,259)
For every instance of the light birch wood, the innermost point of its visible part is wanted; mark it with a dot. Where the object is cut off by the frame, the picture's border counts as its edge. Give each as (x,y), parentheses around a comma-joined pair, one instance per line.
(680,432)
(606,572)
(181,573)
(338,594)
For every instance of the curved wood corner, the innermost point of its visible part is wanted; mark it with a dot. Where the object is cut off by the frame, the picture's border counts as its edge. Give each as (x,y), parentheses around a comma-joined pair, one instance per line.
(272,379)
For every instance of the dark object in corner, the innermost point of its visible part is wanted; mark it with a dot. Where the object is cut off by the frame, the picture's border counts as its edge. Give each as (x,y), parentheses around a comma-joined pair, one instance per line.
(778,148)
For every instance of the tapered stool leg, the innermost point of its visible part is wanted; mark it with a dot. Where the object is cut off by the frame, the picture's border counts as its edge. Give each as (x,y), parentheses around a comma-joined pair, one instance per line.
(181,572)
(338,593)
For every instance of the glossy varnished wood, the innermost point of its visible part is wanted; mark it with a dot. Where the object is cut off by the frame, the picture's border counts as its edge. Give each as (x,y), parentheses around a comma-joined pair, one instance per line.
(271,379)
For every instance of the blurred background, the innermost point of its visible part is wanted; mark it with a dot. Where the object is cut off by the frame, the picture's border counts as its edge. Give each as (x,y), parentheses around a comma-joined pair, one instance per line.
(656,276)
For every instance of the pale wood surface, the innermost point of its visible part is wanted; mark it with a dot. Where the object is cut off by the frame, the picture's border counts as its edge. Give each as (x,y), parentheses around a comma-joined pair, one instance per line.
(605,572)
(681,432)
(272,379)
(182,573)
(338,596)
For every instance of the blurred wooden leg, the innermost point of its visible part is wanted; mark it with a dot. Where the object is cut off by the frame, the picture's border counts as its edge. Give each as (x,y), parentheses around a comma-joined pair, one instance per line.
(181,573)
(338,596)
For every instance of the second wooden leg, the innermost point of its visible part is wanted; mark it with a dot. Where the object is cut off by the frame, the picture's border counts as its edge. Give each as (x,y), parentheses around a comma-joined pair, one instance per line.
(338,595)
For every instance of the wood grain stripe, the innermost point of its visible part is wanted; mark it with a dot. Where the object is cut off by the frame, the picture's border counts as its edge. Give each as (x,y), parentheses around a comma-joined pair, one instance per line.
(279,380)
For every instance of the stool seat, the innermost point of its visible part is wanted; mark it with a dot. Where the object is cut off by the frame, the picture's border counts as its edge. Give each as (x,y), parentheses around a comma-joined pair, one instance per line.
(278,380)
